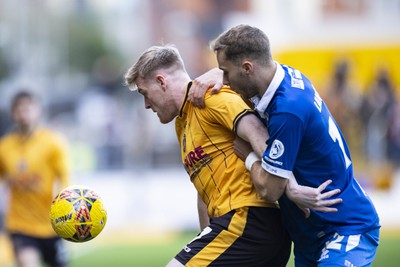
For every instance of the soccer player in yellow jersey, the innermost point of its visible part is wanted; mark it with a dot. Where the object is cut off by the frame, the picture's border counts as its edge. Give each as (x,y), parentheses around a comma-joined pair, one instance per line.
(32,163)
(238,228)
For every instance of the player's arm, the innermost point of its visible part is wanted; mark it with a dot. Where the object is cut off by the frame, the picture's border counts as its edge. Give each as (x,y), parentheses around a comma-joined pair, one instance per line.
(212,79)
(203,215)
(4,175)
(252,130)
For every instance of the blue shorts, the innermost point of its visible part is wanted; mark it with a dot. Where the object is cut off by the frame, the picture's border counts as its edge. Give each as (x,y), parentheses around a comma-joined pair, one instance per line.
(52,250)
(341,250)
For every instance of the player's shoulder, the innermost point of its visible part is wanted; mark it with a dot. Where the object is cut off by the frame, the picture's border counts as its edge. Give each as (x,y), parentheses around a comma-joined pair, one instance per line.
(289,105)
(224,94)
(225,99)
(8,138)
(47,132)
(295,93)
(51,135)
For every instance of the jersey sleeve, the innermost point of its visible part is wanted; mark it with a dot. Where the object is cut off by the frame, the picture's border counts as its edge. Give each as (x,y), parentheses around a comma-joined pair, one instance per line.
(286,131)
(226,108)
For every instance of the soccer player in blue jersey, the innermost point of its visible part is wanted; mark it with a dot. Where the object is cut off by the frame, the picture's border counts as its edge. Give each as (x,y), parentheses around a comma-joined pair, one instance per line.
(305,145)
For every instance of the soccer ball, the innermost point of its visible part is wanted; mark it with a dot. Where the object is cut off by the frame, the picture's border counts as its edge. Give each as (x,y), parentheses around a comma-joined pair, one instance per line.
(77,214)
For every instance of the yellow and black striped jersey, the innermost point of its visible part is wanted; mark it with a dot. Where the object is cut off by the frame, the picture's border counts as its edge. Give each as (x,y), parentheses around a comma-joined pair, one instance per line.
(206,139)
(31,166)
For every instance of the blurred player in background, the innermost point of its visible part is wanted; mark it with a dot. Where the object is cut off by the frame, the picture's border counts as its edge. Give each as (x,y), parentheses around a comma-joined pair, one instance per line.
(305,143)
(33,166)
(238,228)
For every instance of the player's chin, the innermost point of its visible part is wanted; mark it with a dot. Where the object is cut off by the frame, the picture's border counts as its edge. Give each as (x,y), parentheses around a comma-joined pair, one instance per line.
(164,119)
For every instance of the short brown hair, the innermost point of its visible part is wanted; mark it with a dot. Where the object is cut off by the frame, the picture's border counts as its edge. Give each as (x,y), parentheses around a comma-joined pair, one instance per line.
(154,58)
(243,41)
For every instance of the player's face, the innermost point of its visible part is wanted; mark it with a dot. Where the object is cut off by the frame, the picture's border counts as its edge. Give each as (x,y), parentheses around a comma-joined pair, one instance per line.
(157,98)
(235,76)
(26,113)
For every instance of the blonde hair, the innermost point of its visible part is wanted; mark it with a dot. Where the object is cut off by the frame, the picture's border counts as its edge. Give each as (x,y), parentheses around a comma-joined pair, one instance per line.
(154,58)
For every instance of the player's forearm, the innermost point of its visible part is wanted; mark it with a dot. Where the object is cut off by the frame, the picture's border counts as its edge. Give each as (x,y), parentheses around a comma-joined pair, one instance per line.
(251,129)
(293,190)
(269,187)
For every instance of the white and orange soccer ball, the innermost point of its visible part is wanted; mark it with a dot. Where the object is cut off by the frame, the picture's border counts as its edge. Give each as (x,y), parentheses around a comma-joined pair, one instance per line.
(78,214)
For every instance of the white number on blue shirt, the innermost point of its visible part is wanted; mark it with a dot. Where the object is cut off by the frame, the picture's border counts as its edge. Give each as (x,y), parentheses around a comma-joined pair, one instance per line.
(337,242)
(335,135)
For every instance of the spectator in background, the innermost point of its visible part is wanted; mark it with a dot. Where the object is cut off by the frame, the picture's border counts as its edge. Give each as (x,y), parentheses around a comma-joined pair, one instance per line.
(380,126)
(394,135)
(344,102)
(33,163)
(375,111)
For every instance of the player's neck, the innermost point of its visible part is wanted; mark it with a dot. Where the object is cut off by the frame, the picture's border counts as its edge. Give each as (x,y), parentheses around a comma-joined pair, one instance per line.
(182,84)
(268,74)
(26,131)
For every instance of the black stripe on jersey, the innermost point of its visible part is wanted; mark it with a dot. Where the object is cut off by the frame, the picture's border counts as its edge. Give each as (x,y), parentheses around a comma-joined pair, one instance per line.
(205,133)
(186,97)
(208,166)
(239,116)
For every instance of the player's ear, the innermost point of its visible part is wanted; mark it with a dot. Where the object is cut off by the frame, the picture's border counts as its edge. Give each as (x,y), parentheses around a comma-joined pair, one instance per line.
(247,67)
(161,81)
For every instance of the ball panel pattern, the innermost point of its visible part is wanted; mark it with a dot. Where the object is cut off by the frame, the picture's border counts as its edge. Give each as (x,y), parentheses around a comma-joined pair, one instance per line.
(78,214)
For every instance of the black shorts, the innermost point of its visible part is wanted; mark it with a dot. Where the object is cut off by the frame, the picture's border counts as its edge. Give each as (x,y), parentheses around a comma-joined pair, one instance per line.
(249,236)
(52,250)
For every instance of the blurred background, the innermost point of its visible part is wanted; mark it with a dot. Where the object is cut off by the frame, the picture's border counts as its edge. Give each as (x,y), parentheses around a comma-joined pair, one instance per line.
(74,55)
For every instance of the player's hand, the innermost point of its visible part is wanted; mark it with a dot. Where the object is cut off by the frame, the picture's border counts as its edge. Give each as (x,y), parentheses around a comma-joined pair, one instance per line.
(211,79)
(307,198)
(242,148)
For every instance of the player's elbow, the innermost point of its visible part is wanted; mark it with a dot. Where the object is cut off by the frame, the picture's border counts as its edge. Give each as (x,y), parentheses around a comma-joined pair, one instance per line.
(269,187)
(269,195)
(271,192)
(263,193)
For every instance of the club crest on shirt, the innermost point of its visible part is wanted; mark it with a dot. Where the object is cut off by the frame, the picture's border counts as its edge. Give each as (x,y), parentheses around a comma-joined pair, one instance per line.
(277,149)
(22,165)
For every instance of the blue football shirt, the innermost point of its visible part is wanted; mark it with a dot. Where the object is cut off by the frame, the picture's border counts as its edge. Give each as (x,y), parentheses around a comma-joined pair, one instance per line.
(305,142)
